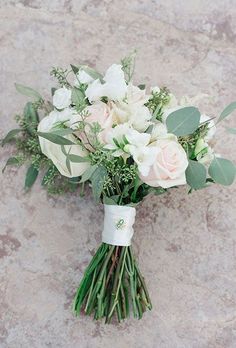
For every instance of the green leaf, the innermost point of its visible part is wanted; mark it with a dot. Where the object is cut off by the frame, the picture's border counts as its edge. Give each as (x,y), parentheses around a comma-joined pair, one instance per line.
(31,176)
(196,175)
(77,97)
(62,131)
(78,159)
(111,200)
(68,165)
(31,117)
(29,92)
(231,130)
(91,72)
(56,139)
(222,171)
(88,173)
(98,178)
(12,161)
(10,135)
(74,68)
(183,121)
(142,87)
(53,90)
(227,111)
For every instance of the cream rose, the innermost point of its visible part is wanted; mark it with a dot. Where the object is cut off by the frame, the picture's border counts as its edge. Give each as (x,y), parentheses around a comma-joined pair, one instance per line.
(169,166)
(62,98)
(54,151)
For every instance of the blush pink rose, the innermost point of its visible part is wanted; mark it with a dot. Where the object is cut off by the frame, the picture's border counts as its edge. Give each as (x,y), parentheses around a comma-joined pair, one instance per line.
(169,167)
(97,113)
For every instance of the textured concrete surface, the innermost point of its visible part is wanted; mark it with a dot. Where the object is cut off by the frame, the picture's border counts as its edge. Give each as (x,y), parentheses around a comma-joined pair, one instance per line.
(186,245)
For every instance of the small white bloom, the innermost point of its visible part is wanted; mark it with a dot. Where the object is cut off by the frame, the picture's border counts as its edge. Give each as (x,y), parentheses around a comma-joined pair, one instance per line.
(155,89)
(207,157)
(62,98)
(144,157)
(159,130)
(114,88)
(211,126)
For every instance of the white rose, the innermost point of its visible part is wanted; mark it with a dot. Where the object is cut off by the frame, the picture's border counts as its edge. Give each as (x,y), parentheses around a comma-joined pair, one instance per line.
(169,165)
(62,98)
(54,151)
(114,88)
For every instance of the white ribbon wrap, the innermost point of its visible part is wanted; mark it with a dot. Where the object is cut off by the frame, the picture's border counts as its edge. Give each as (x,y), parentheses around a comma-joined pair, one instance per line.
(118,225)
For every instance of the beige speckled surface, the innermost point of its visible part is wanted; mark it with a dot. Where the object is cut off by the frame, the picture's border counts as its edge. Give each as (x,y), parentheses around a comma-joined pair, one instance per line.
(186,245)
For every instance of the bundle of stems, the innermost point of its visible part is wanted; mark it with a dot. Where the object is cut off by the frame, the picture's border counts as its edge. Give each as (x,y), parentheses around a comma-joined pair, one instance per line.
(111,282)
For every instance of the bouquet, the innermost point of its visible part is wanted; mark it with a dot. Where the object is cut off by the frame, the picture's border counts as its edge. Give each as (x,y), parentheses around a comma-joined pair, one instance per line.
(124,142)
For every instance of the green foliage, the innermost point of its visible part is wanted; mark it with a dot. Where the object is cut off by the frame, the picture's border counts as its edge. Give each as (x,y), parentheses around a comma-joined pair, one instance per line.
(55,138)
(183,121)
(128,65)
(189,141)
(231,130)
(31,176)
(196,175)
(10,136)
(222,171)
(227,111)
(61,76)
(29,92)
(98,178)
(157,101)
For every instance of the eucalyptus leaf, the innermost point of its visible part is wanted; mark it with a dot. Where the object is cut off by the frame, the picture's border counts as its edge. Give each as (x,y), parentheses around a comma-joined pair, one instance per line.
(31,117)
(222,171)
(78,159)
(62,131)
(74,68)
(88,173)
(31,176)
(77,97)
(196,175)
(28,91)
(231,130)
(227,111)
(12,161)
(55,138)
(10,135)
(183,121)
(98,178)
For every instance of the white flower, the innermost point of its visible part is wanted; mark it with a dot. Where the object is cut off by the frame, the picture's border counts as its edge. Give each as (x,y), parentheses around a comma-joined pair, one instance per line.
(207,157)
(132,110)
(203,152)
(84,77)
(211,126)
(116,139)
(62,98)
(144,157)
(114,88)
(159,130)
(54,151)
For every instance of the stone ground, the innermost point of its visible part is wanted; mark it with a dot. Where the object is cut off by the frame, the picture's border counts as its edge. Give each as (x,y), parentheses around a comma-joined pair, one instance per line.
(186,244)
